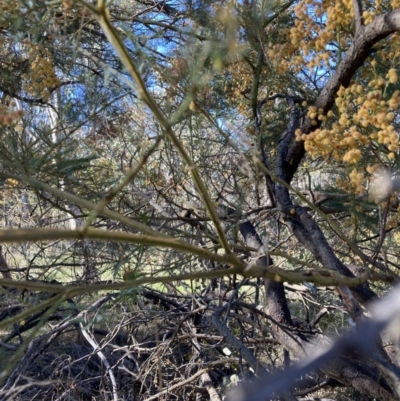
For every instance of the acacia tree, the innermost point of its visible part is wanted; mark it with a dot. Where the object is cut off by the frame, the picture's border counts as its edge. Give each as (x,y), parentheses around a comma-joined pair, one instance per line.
(207,157)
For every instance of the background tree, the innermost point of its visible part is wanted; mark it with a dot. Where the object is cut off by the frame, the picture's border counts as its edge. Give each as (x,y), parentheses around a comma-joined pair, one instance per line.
(195,194)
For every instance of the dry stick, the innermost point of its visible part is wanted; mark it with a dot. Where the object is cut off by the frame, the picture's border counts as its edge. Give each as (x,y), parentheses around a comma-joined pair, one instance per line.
(68,292)
(205,377)
(235,343)
(11,394)
(191,378)
(97,350)
(207,383)
(258,368)
(261,311)
(12,379)
(180,384)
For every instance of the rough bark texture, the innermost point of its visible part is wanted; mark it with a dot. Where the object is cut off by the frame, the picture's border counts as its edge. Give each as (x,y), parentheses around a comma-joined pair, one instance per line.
(355,371)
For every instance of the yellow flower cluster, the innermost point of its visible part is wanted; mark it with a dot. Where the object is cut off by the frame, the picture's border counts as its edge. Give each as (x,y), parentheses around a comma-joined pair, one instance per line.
(392,76)
(354,183)
(352,156)
(42,75)
(306,42)
(368,16)
(363,116)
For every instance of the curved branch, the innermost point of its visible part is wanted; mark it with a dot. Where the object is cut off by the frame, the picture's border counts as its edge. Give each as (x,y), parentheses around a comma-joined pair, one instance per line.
(305,228)
(366,37)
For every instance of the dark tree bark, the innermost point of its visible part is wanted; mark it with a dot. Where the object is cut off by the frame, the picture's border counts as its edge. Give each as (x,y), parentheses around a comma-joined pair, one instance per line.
(362,375)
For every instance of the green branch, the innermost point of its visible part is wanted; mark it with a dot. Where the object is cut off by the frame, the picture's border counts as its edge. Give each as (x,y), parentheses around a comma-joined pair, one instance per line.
(48,234)
(113,37)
